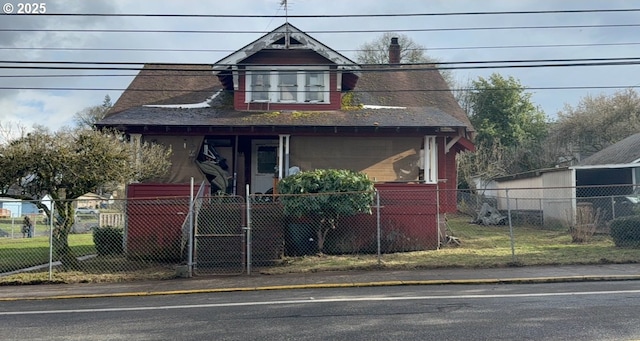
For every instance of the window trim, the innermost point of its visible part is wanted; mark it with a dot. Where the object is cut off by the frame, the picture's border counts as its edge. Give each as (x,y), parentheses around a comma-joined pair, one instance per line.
(430,159)
(301,86)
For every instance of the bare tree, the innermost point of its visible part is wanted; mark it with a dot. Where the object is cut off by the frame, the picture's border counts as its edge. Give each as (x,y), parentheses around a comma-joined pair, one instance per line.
(377,52)
(87,117)
(9,131)
(594,124)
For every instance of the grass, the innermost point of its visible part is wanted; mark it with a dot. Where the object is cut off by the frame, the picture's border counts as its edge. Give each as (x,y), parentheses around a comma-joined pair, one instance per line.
(481,247)
(104,269)
(28,252)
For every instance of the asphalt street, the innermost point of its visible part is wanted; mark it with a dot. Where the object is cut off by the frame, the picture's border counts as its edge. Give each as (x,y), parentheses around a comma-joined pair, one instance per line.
(373,278)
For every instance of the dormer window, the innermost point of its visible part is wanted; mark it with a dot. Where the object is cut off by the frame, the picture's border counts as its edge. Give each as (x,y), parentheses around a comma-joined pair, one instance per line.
(260,86)
(287,85)
(314,86)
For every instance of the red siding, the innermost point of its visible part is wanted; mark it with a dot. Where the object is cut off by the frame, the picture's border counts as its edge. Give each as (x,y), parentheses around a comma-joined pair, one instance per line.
(155,214)
(408,216)
(158,190)
(287,57)
(447,171)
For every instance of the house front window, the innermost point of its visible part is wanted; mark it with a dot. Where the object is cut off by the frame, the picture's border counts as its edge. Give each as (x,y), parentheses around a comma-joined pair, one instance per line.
(287,86)
(260,86)
(267,159)
(314,87)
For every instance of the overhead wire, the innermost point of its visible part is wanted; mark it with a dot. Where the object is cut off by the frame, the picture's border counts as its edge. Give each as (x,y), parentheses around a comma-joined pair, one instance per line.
(478,47)
(323,16)
(441,65)
(442,29)
(355,91)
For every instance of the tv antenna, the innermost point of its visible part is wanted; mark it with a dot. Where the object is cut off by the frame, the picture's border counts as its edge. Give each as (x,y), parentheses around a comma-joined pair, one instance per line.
(284,3)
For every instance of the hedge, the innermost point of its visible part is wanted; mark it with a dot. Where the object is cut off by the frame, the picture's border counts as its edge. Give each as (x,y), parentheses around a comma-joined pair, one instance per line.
(625,231)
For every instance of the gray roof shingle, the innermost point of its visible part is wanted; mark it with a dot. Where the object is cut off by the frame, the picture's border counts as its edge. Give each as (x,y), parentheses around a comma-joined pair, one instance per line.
(624,152)
(422,93)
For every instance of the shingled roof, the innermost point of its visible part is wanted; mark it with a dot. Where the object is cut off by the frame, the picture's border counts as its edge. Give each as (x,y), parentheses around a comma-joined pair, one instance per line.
(409,86)
(168,84)
(624,152)
(165,94)
(193,95)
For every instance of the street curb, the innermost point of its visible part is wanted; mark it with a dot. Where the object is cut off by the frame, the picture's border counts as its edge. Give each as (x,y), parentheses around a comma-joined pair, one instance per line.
(523,280)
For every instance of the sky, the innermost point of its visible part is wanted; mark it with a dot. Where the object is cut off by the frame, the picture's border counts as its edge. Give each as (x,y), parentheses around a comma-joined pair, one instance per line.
(50,98)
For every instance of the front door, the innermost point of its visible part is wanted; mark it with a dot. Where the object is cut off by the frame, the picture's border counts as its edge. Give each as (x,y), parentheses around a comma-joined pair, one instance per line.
(264,163)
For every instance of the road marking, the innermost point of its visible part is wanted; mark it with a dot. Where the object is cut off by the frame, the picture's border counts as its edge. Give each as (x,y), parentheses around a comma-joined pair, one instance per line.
(315,300)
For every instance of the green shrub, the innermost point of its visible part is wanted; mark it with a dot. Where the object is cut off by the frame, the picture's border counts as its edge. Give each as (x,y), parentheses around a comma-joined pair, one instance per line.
(108,240)
(625,231)
(325,195)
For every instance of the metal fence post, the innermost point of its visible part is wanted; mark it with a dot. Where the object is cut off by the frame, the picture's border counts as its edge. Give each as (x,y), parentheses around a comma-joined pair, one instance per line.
(613,207)
(248,229)
(513,249)
(438,214)
(378,227)
(53,209)
(190,256)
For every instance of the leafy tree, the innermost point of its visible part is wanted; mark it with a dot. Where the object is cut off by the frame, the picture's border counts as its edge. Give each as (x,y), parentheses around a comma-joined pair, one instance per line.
(502,111)
(594,124)
(325,195)
(87,117)
(510,130)
(69,163)
(377,52)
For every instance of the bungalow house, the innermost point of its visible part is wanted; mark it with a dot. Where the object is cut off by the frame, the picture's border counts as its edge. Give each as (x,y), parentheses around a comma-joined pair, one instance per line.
(287,102)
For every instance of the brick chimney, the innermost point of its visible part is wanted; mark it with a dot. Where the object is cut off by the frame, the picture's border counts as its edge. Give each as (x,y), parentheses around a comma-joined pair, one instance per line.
(394,51)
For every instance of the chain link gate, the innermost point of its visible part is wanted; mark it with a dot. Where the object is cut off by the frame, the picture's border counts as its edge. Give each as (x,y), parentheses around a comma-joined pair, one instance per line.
(220,242)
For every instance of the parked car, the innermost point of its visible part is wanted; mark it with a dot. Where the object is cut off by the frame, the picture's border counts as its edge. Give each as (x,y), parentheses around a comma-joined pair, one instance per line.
(634,198)
(86,210)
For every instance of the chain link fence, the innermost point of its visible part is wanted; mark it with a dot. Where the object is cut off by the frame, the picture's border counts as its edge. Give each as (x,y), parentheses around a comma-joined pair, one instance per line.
(411,226)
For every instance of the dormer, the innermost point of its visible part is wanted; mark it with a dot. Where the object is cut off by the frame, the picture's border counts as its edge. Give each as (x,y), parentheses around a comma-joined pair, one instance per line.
(287,69)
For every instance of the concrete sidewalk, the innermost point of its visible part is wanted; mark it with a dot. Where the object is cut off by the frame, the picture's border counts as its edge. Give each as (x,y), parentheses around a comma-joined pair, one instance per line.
(212,284)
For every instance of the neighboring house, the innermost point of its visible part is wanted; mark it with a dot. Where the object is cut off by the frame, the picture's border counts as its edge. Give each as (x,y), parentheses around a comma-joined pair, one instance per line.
(604,179)
(16,208)
(288,100)
(91,200)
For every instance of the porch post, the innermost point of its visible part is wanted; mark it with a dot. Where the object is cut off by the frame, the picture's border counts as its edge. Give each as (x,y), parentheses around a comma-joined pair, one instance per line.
(430,160)
(283,156)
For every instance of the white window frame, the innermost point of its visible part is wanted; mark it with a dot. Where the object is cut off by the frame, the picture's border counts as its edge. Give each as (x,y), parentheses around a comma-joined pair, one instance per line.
(302,88)
(309,88)
(267,80)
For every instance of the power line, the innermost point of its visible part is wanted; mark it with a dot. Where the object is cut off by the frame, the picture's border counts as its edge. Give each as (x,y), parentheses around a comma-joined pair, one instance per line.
(478,47)
(312,16)
(356,91)
(618,63)
(323,31)
(366,67)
